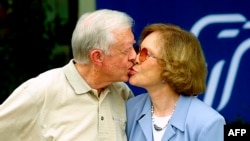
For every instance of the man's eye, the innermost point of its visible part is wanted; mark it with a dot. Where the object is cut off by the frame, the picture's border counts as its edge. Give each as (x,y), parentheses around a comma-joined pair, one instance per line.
(126,51)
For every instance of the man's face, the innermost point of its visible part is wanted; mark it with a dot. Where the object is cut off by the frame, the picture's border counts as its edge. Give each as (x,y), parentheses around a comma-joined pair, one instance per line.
(122,55)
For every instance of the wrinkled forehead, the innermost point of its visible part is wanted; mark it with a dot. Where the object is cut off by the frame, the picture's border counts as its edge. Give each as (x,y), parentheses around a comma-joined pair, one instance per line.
(124,36)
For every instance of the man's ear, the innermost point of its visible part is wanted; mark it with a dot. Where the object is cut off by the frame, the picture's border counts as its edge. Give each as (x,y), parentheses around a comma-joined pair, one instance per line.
(96,56)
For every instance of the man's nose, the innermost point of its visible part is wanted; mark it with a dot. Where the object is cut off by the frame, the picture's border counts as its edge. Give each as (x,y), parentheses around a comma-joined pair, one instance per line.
(133,55)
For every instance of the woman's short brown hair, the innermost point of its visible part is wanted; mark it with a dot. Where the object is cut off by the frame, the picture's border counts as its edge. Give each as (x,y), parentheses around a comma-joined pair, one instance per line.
(183,61)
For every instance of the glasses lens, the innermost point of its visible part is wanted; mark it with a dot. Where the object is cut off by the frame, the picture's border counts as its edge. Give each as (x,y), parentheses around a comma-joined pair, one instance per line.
(143,54)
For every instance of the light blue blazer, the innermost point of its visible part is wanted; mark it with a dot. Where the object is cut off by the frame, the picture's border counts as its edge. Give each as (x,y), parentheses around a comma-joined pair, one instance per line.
(192,120)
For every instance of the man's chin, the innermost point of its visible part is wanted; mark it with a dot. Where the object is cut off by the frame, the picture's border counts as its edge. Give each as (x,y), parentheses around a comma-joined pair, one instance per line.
(125,78)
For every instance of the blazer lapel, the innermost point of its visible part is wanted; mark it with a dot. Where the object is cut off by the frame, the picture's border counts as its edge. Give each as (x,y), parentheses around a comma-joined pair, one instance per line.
(145,121)
(177,122)
(169,133)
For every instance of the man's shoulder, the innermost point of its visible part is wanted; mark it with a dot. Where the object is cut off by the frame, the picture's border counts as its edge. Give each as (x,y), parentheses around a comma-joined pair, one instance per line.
(122,89)
(120,86)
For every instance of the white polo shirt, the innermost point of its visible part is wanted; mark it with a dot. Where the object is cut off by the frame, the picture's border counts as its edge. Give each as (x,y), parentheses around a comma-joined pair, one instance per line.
(58,105)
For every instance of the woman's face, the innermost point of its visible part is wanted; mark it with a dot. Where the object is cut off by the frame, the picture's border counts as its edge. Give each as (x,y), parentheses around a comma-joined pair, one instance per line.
(147,72)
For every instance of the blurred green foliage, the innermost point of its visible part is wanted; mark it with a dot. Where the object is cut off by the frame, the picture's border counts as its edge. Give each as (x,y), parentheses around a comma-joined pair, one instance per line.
(29,42)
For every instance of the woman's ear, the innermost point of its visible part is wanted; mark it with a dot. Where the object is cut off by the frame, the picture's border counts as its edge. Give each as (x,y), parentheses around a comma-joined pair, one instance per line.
(96,56)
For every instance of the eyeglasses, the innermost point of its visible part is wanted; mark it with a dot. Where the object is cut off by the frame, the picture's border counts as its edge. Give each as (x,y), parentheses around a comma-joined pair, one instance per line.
(143,54)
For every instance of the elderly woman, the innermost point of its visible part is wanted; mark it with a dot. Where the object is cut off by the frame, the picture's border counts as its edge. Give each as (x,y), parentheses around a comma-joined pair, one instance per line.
(171,66)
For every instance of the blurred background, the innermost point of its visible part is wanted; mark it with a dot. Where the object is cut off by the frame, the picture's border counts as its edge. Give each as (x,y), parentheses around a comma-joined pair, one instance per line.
(35,36)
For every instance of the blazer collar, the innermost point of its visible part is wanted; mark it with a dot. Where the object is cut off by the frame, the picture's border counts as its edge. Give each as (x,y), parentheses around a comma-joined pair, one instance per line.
(176,122)
(145,119)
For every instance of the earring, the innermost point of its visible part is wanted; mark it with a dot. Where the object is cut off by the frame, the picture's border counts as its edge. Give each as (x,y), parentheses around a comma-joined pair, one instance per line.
(163,81)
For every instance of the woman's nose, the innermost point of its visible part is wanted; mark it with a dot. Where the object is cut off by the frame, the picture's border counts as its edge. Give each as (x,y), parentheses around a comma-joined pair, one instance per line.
(136,59)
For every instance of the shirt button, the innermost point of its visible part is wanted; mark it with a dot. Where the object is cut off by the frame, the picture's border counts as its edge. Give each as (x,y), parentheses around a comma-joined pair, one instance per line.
(102,118)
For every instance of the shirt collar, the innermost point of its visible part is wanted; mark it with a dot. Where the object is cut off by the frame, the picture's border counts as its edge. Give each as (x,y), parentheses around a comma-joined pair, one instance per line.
(74,78)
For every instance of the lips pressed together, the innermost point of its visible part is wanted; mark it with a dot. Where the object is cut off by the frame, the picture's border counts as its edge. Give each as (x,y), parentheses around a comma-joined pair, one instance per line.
(132,71)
